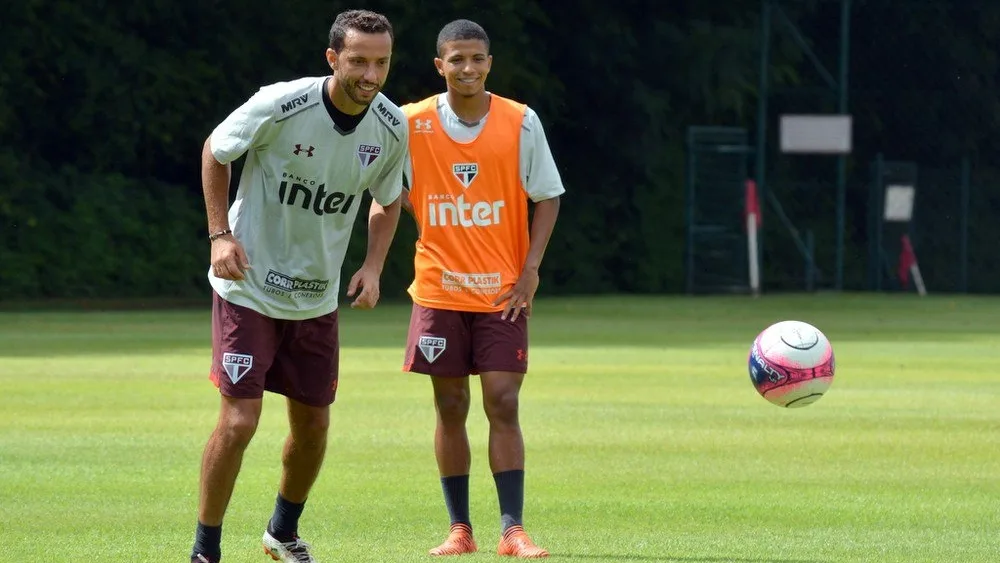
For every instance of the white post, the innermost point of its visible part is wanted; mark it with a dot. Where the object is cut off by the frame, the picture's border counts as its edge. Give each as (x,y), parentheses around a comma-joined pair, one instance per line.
(918,280)
(752,253)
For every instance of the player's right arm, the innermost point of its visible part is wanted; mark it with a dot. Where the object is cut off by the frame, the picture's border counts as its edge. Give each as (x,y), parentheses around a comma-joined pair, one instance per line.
(405,197)
(229,259)
(243,129)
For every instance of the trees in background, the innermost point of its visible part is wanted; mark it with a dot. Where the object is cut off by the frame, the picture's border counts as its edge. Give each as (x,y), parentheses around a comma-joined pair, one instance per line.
(105,111)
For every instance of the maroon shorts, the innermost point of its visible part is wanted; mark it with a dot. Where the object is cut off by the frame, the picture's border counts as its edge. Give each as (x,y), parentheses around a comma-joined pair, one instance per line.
(253,353)
(457,344)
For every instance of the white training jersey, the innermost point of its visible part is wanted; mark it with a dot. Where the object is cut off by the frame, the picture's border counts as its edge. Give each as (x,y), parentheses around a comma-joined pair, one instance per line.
(300,190)
(539,174)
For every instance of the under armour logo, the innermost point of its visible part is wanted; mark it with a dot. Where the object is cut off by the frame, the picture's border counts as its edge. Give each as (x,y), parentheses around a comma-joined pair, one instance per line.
(309,151)
(422,125)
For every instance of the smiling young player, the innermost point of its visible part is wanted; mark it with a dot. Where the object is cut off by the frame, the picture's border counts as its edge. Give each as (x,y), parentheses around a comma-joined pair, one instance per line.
(476,159)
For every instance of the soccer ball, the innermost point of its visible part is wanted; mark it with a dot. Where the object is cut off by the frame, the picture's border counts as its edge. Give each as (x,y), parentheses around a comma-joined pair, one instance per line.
(791,364)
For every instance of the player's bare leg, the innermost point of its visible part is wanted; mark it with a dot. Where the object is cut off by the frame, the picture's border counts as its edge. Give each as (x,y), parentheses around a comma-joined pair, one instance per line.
(451,441)
(223,456)
(302,458)
(454,459)
(500,401)
(501,391)
(220,466)
(304,450)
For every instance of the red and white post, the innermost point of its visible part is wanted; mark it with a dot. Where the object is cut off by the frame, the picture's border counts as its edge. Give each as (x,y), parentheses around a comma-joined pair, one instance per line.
(908,266)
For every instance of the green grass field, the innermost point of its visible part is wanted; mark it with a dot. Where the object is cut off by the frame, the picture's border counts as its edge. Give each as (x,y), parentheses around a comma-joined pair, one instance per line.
(645,439)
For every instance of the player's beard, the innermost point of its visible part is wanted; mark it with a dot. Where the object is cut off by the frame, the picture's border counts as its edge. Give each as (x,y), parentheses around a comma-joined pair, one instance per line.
(359,96)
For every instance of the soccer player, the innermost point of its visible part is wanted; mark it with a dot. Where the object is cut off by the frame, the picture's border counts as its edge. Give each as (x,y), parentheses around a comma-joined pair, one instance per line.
(313,146)
(475,160)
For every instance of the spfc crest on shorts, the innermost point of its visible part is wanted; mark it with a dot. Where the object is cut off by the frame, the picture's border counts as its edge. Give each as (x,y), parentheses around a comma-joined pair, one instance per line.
(368,153)
(466,172)
(431,347)
(236,365)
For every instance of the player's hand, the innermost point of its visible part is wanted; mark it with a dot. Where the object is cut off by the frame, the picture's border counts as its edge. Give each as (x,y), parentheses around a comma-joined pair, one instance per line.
(367,280)
(229,259)
(520,297)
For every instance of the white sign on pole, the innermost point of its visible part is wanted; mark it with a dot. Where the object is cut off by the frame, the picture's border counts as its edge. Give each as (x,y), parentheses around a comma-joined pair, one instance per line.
(898,203)
(816,134)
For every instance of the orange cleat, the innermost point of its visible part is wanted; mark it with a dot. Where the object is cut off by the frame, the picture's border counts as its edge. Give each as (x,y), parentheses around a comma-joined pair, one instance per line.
(459,541)
(516,543)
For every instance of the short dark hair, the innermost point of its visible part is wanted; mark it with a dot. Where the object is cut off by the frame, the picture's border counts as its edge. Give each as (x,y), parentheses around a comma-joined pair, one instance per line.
(364,21)
(460,30)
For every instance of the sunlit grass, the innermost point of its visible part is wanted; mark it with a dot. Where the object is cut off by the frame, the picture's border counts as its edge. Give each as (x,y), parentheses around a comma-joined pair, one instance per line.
(645,440)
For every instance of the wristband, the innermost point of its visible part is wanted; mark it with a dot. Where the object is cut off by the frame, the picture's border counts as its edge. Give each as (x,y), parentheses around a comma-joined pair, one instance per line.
(222,233)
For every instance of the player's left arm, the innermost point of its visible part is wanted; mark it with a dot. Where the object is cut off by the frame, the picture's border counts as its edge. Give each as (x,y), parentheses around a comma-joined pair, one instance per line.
(544,186)
(522,295)
(542,225)
(383,217)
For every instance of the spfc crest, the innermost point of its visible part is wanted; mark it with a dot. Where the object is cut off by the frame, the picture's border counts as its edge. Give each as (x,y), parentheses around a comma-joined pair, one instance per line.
(431,346)
(465,172)
(236,365)
(368,153)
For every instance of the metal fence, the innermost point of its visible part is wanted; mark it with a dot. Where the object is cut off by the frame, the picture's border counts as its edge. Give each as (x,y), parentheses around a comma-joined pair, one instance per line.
(954,228)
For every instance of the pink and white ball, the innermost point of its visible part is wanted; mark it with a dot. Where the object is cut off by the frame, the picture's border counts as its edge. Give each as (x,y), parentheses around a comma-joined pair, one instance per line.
(791,364)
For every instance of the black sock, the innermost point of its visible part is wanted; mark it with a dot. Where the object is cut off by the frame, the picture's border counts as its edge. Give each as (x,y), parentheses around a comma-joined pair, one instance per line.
(456,498)
(208,541)
(510,491)
(284,524)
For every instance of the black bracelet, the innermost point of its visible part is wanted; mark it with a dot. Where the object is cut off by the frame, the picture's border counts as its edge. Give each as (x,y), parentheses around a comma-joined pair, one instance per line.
(223,233)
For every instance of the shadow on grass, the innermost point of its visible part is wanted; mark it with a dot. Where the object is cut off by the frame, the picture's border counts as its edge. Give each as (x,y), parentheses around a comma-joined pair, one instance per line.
(658,323)
(672,559)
